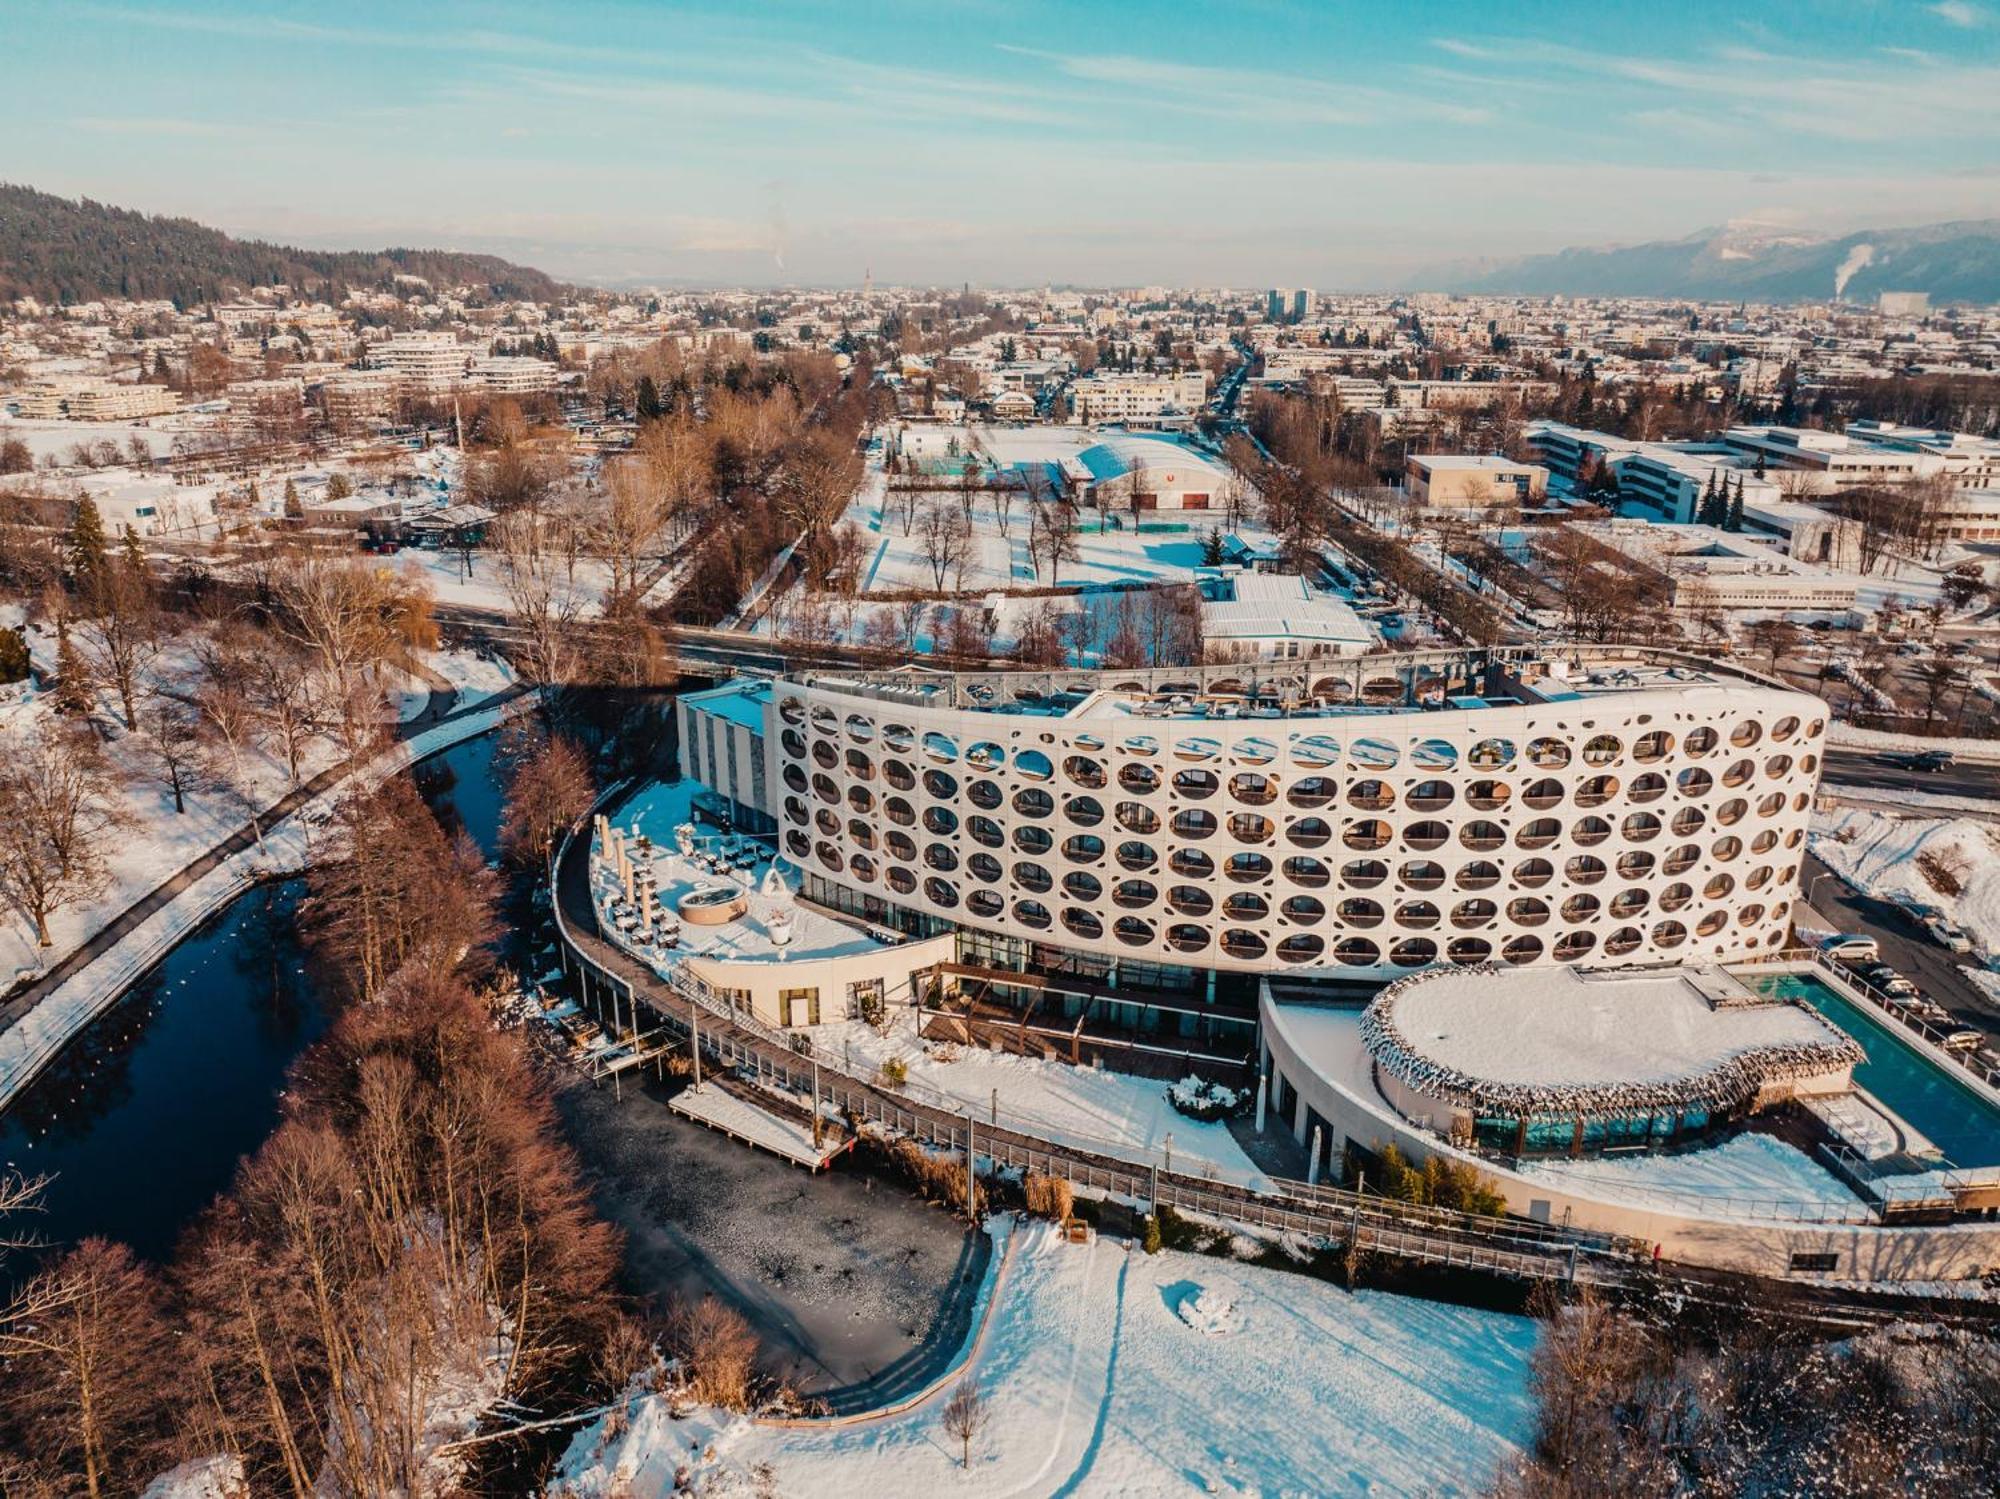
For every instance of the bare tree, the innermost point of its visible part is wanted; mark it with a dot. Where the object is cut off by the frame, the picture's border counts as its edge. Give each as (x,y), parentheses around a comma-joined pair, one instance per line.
(173,745)
(944,541)
(549,788)
(546,601)
(82,1345)
(53,809)
(119,633)
(964,1417)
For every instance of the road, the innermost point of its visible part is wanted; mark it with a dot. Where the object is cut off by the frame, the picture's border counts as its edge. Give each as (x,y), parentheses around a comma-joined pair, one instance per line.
(1876,771)
(1904,943)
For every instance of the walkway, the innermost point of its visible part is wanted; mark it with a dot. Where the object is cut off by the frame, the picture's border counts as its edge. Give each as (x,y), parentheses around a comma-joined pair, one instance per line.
(91,977)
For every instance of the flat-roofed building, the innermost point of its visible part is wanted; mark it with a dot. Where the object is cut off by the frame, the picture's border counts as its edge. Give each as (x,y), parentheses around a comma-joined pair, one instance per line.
(1278,617)
(1441,481)
(1146,400)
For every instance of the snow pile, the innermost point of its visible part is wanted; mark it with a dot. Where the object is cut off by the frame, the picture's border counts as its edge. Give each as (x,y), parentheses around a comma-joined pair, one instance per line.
(1847,735)
(1900,859)
(1095,1387)
(1211,1311)
(218,1477)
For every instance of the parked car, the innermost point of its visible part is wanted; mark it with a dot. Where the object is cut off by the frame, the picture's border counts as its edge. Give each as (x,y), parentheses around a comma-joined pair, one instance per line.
(1965,1041)
(1930,762)
(1851,948)
(1948,934)
(1901,988)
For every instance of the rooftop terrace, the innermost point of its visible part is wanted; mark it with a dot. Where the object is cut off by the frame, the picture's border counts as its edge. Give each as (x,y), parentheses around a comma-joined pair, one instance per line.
(1511,676)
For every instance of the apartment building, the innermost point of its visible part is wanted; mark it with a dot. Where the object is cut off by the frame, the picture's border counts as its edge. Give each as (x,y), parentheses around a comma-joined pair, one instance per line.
(81,398)
(424,361)
(1144,400)
(513,375)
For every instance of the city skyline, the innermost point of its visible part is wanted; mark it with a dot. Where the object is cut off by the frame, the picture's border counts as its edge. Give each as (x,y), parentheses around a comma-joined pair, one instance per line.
(1282,144)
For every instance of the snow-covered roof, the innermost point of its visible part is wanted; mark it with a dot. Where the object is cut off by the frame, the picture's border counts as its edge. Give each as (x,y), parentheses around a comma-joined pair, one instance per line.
(1119,453)
(1560,1041)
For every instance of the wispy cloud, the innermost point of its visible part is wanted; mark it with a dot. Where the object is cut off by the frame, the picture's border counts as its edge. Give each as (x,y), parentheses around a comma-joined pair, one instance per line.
(1958,13)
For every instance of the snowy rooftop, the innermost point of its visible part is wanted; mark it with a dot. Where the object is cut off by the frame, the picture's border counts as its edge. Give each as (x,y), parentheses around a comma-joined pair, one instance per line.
(1564,1040)
(656,812)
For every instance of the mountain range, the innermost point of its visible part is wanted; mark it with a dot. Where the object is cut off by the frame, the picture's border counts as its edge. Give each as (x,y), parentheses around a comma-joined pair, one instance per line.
(69,250)
(1953,262)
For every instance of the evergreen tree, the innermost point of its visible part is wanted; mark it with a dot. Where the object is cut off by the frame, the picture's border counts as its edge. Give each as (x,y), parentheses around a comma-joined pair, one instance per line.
(14,661)
(648,399)
(1710,512)
(73,685)
(87,552)
(293,509)
(1211,548)
(339,487)
(1734,520)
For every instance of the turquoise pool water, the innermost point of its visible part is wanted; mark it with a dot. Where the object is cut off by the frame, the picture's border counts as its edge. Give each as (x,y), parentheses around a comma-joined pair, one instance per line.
(1958,1120)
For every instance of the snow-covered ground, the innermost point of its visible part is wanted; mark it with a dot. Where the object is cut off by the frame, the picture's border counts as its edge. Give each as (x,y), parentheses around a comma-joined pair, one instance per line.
(486,586)
(476,678)
(1083,1106)
(150,841)
(1883,855)
(1098,1385)
(1749,1170)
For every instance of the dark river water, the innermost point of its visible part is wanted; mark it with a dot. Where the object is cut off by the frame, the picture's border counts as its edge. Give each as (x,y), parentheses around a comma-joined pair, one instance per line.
(143,1117)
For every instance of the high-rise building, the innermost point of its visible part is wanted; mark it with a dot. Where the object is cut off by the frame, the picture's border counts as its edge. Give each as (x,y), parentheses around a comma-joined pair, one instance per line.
(1301,303)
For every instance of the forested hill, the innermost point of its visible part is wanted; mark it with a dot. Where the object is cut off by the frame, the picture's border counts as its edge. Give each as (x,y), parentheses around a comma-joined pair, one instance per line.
(69,250)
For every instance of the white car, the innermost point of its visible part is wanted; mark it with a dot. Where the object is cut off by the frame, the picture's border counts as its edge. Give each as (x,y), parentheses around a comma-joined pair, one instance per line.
(1949,935)
(1851,949)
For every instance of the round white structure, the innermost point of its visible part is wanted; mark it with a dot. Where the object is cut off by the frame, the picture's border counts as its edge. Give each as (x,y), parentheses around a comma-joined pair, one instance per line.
(1609,806)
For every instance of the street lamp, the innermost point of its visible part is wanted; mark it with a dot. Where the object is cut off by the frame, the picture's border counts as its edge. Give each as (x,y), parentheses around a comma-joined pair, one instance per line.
(1813,885)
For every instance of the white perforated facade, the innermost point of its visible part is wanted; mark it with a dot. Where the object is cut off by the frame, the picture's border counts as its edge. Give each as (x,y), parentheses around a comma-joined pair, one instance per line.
(1656,822)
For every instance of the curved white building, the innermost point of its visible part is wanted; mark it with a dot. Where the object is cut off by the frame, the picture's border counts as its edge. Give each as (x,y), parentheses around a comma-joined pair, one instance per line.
(1182,831)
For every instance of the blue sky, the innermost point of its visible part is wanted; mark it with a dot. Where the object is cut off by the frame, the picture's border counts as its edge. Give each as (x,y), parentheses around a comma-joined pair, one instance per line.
(1251,142)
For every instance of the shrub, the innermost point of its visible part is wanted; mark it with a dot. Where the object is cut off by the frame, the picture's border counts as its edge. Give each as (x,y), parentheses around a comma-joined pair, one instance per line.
(895,1072)
(1439,1182)
(1152,1243)
(1049,1196)
(938,1178)
(1204,1099)
(718,1350)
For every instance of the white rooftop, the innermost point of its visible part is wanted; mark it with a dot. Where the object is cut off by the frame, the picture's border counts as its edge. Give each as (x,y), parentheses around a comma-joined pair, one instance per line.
(1561,1027)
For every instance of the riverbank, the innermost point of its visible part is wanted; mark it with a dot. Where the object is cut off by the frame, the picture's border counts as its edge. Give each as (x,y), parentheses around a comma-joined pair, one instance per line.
(856,1291)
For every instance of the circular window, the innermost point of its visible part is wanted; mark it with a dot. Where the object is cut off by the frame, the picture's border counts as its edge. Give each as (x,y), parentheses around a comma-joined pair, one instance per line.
(1357,952)
(1300,947)
(1139,779)
(1032,913)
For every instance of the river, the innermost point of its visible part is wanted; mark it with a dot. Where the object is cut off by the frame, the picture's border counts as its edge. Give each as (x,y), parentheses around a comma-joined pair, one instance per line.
(856,1290)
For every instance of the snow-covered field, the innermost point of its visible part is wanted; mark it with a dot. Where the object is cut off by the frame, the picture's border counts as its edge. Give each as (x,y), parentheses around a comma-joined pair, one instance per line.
(1747,1169)
(486,586)
(1055,1100)
(1098,1385)
(1881,854)
(1848,736)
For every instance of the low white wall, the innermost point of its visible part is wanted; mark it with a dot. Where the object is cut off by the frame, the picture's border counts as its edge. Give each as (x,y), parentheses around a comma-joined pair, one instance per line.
(764,978)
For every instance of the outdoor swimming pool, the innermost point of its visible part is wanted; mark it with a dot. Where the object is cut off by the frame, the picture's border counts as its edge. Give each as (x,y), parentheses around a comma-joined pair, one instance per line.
(1960,1121)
